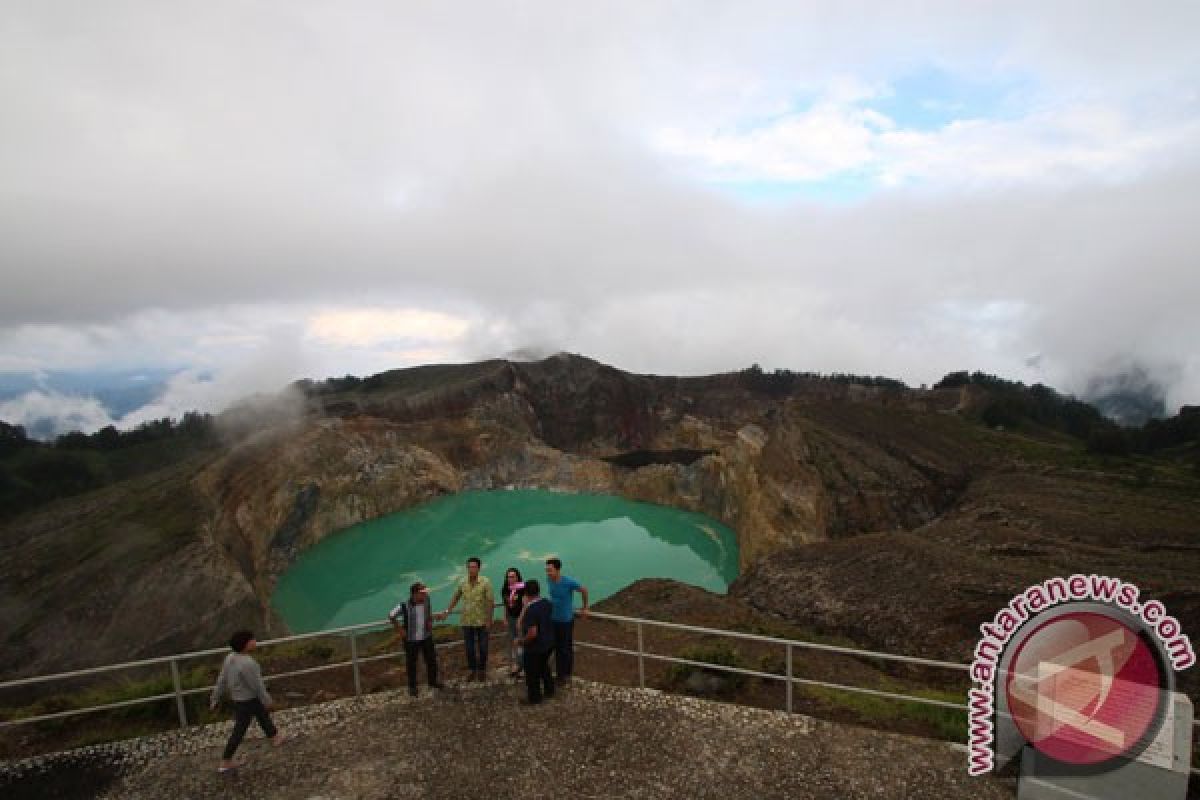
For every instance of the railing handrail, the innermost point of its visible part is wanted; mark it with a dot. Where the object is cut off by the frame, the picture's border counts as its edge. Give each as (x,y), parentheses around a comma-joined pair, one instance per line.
(641,654)
(755,637)
(367,626)
(157,660)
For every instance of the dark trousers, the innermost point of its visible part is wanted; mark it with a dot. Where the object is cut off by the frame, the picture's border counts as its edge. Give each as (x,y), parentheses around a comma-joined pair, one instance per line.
(243,712)
(426,649)
(537,674)
(476,640)
(564,648)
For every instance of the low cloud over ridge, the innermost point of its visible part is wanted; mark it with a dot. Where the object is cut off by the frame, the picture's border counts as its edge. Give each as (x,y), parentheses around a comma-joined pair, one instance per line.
(382,189)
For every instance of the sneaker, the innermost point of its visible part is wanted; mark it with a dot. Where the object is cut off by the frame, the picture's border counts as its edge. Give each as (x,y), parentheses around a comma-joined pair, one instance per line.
(525,701)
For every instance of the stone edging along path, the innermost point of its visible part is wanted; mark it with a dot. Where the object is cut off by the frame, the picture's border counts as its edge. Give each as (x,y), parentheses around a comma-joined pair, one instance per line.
(129,754)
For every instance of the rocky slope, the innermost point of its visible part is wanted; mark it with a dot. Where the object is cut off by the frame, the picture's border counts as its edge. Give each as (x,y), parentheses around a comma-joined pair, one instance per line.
(879,513)
(925,591)
(780,471)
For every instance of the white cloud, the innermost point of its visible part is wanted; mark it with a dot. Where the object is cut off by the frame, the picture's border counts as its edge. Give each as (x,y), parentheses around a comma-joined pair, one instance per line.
(1060,147)
(834,139)
(268,371)
(46,412)
(823,142)
(351,192)
(371,327)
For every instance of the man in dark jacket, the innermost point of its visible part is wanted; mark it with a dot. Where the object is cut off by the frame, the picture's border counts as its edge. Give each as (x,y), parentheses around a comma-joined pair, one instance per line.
(537,633)
(414,619)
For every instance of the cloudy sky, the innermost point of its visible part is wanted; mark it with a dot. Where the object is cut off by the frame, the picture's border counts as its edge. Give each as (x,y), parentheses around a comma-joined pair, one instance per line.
(258,192)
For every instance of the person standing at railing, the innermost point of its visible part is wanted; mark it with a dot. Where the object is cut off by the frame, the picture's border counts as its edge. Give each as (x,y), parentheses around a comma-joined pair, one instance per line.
(512,594)
(537,634)
(476,593)
(561,589)
(414,620)
(241,679)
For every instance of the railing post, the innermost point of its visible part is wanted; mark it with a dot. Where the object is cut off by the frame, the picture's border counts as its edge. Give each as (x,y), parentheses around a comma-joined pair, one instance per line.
(789,679)
(641,658)
(183,723)
(354,663)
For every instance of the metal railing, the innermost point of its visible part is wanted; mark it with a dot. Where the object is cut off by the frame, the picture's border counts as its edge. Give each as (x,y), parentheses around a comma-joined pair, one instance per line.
(355,663)
(789,678)
(789,645)
(642,654)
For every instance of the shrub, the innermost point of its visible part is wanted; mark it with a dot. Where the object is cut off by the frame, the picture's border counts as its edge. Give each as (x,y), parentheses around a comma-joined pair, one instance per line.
(719,654)
(318,650)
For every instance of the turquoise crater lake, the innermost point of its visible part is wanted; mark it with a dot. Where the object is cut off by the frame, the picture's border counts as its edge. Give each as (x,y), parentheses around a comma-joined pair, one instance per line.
(605,542)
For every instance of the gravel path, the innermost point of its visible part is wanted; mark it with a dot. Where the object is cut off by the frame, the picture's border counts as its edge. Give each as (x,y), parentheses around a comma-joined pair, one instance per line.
(591,741)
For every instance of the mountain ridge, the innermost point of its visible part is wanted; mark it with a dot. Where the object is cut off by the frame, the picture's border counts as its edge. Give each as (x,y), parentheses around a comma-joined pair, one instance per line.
(174,561)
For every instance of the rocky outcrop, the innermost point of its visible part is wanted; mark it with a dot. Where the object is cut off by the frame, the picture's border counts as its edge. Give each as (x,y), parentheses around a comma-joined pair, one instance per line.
(780,471)
(284,491)
(925,591)
(824,461)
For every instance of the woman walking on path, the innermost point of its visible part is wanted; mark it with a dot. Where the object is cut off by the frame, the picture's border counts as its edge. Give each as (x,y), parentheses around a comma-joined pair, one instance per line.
(511,593)
(242,679)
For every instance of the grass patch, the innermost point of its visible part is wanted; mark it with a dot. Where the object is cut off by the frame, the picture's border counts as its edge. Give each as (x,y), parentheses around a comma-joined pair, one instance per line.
(945,723)
(1158,471)
(318,651)
(118,692)
(720,654)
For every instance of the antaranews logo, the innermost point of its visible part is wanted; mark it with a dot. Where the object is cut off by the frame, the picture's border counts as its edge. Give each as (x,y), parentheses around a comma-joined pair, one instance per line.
(1079,666)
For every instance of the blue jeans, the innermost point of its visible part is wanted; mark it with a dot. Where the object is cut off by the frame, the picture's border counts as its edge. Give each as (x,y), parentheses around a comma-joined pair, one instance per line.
(476,640)
(564,648)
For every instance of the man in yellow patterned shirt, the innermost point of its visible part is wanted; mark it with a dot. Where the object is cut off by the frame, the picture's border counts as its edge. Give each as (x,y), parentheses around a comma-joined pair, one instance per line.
(476,593)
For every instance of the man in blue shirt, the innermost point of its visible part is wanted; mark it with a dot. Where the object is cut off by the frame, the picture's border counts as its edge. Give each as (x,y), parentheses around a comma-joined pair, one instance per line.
(561,589)
(537,634)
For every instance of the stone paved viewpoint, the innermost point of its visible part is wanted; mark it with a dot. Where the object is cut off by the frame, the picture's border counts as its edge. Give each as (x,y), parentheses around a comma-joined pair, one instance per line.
(590,741)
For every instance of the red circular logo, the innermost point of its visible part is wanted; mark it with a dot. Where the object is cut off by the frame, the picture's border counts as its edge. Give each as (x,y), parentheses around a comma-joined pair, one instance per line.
(1084,688)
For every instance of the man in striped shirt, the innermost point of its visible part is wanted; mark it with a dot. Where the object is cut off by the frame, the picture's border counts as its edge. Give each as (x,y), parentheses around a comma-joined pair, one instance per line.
(414,619)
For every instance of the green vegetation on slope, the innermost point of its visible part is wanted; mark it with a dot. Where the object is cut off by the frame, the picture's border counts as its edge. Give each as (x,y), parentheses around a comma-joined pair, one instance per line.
(34,473)
(1012,404)
(413,380)
(785,381)
(945,723)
